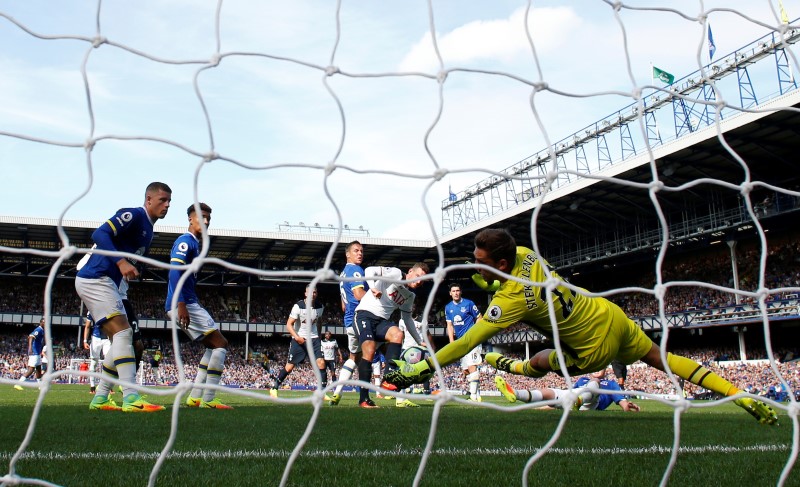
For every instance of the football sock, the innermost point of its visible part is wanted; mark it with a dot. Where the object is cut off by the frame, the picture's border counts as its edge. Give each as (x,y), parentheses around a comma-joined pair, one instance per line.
(107,368)
(324,372)
(92,368)
(392,353)
(474,379)
(699,375)
(528,396)
(124,360)
(215,365)
(364,370)
(280,379)
(202,373)
(345,373)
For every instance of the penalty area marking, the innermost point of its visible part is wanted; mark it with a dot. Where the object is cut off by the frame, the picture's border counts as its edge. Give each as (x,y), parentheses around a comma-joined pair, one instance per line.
(451,452)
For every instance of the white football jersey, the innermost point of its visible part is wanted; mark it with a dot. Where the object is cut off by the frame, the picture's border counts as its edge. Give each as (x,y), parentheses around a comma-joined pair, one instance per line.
(393,296)
(408,338)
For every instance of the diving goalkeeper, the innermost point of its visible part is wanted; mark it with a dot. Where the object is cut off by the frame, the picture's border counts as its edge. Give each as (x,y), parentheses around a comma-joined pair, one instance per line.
(592,330)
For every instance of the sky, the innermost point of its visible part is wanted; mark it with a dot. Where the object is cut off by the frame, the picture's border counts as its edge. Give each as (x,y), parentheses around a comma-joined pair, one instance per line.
(376,144)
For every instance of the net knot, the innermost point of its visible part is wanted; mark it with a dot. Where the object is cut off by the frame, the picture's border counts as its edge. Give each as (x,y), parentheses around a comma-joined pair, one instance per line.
(89,144)
(210,156)
(331,70)
(98,41)
(746,188)
(439,173)
(441,76)
(215,59)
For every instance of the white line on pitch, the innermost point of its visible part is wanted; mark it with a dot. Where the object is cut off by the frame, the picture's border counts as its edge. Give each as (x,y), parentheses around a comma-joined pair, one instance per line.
(453,452)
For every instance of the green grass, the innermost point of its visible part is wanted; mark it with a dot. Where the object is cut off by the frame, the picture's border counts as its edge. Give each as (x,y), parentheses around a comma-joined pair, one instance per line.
(349,446)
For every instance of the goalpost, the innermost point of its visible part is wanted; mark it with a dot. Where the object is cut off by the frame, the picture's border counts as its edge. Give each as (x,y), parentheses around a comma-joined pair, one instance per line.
(202,135)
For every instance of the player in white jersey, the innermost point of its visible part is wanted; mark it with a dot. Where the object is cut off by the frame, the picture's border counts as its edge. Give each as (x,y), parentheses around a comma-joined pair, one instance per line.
(310,323)
(372,315)
(330,353)
(98,345)
(408,342)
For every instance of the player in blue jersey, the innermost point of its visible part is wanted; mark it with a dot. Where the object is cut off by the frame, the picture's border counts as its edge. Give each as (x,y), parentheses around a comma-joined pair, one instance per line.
(351,292)
(193,318)
(98,285)
(461,314)
(35,347)
(588,388)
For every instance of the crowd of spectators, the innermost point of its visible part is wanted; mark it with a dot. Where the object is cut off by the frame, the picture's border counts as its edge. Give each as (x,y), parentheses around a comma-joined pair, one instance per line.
(267,356)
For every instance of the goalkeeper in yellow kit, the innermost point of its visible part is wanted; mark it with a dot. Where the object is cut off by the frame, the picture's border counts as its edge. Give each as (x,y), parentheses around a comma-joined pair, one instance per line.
(592,330)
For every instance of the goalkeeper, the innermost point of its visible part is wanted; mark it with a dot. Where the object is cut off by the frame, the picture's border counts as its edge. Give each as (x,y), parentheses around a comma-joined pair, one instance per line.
(592,330)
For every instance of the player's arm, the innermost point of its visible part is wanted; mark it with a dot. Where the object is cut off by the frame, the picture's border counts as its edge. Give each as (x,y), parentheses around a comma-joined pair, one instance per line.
(290,328)
(339,353)
(86,327)
(103,238)
(30,344)
(450,331)
(477,334)
(628,406)
(358,292)
(410,326)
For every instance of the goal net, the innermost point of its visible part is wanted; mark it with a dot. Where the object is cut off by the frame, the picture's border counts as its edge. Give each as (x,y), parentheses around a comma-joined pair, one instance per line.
(421,121)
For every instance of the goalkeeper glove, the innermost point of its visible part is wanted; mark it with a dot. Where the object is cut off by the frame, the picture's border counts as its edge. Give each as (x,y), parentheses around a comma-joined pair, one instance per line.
(407,374)
(481,283)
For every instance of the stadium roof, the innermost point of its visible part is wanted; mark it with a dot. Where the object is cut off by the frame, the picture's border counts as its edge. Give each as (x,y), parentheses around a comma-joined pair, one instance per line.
(601,212)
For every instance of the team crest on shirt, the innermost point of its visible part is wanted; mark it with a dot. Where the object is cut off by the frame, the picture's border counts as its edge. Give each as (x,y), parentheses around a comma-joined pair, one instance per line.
(494,313)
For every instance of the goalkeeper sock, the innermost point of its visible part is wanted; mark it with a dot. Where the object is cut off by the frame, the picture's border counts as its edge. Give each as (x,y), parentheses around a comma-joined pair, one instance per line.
(215,365)
(200,378)
(345,374)
(697,374)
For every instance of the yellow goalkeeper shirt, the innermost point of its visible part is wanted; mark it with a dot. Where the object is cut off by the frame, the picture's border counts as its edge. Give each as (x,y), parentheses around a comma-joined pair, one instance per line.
(583,322)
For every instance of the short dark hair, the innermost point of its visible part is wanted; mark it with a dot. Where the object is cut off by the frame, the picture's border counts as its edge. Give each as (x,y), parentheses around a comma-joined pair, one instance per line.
(498,243)
(203,207)
(454,284)
(350,245)
(157,186)
(423,266)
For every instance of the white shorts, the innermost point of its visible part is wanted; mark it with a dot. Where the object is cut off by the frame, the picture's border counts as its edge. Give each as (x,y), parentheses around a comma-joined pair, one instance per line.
(34,360)
(101,297)
(99,348)
(472,358)
(201,323)
(352,341)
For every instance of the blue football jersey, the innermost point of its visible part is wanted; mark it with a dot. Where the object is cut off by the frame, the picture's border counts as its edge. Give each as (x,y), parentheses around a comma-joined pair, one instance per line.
(129,230)
(346,290)
(606,399)
(463,315)
(184,250)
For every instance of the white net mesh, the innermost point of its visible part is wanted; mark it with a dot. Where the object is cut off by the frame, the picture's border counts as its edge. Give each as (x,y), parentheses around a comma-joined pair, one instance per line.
(342,105)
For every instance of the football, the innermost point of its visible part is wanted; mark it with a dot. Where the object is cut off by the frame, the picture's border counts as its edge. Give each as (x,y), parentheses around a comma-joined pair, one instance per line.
(413,355)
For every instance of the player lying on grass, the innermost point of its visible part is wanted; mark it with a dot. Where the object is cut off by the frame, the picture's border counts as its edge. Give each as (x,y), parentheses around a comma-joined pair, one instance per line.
(587,387)
(592,331)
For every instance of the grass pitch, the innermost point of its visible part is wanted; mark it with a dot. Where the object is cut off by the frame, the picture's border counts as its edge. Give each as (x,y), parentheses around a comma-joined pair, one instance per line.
(474,445)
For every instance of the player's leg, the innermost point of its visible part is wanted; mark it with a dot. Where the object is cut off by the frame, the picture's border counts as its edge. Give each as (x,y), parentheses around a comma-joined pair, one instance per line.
(32,361)
(96,357)
(365,326)
(536,367)
(218,345)
(349,365)
(297,354)
(697,374)
(513,395)
(196,395)
(316,346)
(133,321)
